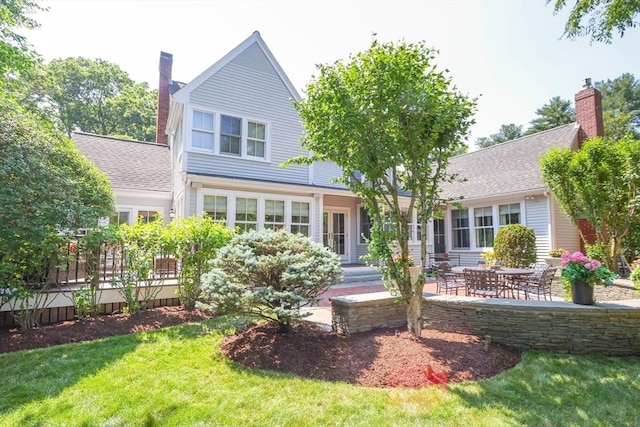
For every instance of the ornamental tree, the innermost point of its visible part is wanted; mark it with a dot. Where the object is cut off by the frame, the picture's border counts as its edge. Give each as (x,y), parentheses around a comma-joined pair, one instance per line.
(391,121)
(601,183)
(270,274)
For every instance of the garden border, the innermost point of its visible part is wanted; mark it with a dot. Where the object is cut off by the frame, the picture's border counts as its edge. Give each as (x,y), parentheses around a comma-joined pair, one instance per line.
(609,328)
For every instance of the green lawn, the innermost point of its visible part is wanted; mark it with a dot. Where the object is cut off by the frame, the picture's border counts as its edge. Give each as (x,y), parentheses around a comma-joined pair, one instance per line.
(177,376)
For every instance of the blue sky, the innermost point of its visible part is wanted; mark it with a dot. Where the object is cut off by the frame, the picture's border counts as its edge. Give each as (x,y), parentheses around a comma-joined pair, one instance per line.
(506,53)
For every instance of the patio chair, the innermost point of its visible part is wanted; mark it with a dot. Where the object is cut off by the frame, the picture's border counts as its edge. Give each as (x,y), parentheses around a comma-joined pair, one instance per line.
(448,281)
(539,287)
(482,283)
(520,284)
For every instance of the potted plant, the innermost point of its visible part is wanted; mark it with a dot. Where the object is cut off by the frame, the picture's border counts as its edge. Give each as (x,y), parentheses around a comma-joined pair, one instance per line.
(583,274)
(555,257)
(489,257)
(414,270)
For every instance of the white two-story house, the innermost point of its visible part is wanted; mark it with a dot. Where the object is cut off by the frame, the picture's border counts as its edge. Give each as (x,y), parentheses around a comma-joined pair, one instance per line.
(230,129)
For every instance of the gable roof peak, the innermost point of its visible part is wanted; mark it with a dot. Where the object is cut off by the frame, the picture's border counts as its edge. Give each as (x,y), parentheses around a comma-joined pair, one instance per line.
(255,38)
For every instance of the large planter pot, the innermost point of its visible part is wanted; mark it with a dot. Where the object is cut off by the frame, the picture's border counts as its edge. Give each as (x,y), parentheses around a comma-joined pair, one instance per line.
(582,293)
(553,262)
(414,272)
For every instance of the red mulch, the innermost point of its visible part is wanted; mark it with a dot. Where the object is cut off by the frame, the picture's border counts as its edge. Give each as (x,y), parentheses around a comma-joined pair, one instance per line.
(379,358)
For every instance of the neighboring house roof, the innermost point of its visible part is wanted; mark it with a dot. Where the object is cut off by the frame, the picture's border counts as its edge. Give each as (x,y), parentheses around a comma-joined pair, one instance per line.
(130,165)
(182,94)
(511,167)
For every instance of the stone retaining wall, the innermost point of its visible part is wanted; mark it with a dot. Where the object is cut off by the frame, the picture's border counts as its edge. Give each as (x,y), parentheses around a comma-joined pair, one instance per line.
(608,328)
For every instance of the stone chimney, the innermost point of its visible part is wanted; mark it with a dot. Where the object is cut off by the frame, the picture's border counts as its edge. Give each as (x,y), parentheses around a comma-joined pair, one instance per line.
(589,112)
(166,63)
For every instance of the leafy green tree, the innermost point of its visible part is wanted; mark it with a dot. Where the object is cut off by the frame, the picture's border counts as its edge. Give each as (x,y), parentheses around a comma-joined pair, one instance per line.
(391,121)
(556,112)
(507,132)
(97,96)
(47,187)
(270,274)
(601,183)
(16,55)
(598,19)
(620,106)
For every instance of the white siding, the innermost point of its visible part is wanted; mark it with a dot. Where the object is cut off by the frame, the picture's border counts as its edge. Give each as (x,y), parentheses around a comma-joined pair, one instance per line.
(248,92)
(565,234)
(324,172)
(537,217)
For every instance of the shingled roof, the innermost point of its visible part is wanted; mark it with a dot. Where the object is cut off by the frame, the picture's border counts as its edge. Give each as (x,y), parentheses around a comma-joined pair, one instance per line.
(511,167)
(130,165)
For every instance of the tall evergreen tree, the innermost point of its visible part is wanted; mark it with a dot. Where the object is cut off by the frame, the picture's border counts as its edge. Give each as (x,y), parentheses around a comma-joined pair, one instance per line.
(620,106)
(556,112)
(506,133)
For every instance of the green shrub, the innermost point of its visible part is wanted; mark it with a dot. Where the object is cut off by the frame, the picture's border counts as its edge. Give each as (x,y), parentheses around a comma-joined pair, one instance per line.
(270,274)
(142,244)
(193,241)
(515,245)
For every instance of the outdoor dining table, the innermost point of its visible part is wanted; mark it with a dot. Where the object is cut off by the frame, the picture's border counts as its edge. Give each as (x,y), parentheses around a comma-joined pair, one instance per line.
(510,274)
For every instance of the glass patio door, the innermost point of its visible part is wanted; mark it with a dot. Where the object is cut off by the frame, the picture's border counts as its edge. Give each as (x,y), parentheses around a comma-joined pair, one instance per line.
(334,233)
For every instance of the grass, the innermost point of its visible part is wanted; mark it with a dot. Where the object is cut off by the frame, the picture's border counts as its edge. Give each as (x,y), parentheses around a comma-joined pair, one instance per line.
(177,376)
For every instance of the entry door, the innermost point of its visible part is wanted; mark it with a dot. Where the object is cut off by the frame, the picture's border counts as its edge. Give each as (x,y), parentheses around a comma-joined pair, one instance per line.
(334,233)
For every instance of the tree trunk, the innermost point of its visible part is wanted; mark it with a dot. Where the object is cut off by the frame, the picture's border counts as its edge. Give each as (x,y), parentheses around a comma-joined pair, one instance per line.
(414,305)
(284,326)
(414,315)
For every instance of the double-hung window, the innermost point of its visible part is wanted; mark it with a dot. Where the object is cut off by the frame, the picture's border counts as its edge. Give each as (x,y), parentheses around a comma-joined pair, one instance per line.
(230,135)
(300,218)
(147,216)
(256,139)
(246,214)
(483,225)
(274,214)
(460,228)
(202,132)
(120,217)
(216,207)
(509,214)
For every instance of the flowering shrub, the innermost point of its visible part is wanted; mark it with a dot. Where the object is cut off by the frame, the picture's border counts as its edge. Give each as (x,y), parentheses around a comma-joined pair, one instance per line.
(635,273)
(556,253)
(577,267)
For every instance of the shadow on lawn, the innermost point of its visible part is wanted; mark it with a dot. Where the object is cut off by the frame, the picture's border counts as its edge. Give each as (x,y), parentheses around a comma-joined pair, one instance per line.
(33,375)
(560,389)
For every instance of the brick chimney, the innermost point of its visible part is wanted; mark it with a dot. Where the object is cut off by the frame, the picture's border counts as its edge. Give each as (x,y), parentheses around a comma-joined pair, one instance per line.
(589,112)
(166,63)
(589,117)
